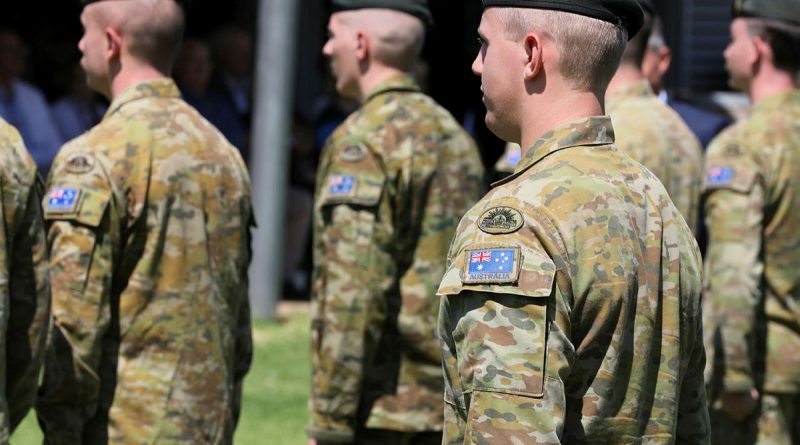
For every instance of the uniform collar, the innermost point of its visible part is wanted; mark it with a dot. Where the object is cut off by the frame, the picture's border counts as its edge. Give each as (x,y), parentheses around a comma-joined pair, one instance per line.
(595,130)
(400,82)
(636,89)
(777,101)
(163,87)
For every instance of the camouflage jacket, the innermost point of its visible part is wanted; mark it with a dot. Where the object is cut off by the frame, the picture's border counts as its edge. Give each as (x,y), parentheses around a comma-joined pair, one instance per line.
(651,132)
(24,289)
(571,304)
(752,211)
(148,219)
(394,180)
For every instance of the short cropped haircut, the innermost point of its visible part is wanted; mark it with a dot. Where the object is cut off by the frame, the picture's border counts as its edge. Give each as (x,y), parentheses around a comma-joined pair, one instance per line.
(784,39)
(397,37)
(154,27)
(590,48)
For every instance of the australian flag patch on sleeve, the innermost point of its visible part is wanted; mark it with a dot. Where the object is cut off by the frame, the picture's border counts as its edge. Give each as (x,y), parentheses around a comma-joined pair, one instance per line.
(499,265)
(62,200)
(719,176)
(341,185)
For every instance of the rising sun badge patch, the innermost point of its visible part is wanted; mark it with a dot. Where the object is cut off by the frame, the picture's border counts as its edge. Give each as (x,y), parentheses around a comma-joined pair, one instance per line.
(500,220)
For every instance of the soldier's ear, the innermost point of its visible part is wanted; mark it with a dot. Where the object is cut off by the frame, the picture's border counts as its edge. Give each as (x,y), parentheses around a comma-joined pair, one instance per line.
(763,49)
(362,46)
(113,44)
(534,56)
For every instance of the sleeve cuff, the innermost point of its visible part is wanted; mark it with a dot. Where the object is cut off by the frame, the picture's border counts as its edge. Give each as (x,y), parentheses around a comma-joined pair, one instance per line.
(737,384)
(324,435)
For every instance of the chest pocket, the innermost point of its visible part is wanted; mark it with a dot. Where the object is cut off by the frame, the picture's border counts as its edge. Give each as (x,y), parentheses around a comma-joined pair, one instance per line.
(500,295)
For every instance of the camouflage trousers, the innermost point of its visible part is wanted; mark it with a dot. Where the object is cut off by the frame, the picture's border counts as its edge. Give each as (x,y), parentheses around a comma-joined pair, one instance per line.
(777,422)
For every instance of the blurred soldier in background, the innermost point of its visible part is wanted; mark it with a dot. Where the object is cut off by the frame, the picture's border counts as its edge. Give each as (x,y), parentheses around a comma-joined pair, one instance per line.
(752,210)
(653,133)
(24,290)
(571,302)
(393,181)
(655,65)
(148,220)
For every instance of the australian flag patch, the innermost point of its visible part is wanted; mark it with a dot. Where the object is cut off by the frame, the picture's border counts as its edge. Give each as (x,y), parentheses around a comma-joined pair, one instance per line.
(718,176)
(62,200)
(492,265)
(340,185)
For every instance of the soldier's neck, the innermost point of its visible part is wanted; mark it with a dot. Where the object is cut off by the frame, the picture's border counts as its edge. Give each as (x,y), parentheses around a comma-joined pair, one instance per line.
(132,75)
(626,75)
(374,76)
(548,113)
(770,82)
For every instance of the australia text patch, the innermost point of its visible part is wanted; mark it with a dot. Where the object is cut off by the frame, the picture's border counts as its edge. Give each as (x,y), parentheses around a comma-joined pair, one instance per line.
(719,176)
(500,265)
(341,185)
(62,200)
(502,219)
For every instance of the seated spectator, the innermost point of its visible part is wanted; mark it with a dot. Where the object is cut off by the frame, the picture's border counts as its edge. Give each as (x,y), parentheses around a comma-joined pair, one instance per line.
(232,81)
(192,72)
(23,105)
(80,109)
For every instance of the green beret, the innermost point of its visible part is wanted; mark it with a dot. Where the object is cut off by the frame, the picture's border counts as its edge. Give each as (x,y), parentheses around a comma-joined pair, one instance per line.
(783,10)
(627,13)
(417,8)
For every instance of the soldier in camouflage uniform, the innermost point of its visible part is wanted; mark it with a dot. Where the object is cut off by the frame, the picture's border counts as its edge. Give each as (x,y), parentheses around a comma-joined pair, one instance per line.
(752,210)
(394,180)
(24,289)
(571,302)
(651,132)
(148,218)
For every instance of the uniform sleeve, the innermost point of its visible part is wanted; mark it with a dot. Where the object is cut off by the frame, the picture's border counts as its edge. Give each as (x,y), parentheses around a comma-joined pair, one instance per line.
(733,212)
(79,233)
(29,308)
(503,353)
(693,425)
(349,308)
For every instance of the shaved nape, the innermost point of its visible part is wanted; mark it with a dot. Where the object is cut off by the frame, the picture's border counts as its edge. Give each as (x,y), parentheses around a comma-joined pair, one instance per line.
(153,29)
(397,37)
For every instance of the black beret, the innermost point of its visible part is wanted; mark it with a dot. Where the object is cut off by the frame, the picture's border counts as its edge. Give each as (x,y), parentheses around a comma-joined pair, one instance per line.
(628,13)
(783,10)
(417,8)
(185,4)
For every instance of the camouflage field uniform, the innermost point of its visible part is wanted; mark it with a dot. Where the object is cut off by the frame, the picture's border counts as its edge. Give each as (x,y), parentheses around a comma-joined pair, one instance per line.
(654,134)
(571,305)
(24,290)
(753,265)
(148,218)
(394,180)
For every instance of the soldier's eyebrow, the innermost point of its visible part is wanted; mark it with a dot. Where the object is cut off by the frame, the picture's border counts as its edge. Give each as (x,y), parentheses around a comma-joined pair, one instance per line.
(482,39)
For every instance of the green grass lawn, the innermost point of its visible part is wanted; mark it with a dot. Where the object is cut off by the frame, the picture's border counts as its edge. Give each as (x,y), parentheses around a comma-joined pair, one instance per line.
(275,391)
